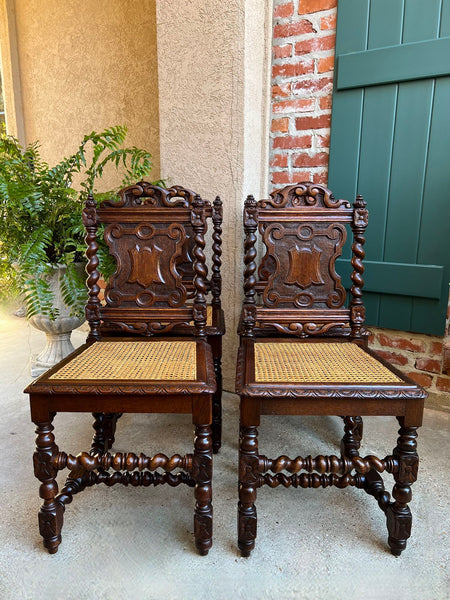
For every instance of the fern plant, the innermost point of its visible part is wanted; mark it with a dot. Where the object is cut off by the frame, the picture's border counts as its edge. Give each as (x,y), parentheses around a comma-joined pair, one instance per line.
(40,213)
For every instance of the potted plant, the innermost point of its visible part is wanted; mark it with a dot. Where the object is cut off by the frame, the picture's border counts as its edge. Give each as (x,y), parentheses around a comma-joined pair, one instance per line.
(41,231)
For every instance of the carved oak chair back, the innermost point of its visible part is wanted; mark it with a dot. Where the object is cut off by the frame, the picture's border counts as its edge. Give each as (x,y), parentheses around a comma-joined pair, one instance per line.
(145,193)
(298,291)
(151,232)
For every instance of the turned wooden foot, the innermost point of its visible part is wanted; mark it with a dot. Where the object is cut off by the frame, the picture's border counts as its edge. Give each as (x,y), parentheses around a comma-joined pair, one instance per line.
(353,432)
(51,512)
(202,474)
(398,514)
(248,481)
(217,408)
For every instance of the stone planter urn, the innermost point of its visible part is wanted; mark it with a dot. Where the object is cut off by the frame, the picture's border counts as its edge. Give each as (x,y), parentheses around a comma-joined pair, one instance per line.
(58,331)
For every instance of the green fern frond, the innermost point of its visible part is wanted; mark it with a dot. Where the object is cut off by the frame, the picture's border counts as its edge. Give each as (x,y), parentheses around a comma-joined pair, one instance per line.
(38,296)
(74,290)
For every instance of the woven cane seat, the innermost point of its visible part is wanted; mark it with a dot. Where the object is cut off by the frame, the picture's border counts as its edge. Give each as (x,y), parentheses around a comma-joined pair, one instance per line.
(160,361)
(318,363)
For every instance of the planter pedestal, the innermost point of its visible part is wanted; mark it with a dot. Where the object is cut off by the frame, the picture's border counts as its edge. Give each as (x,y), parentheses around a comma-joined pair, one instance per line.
(58,331)
(58,344)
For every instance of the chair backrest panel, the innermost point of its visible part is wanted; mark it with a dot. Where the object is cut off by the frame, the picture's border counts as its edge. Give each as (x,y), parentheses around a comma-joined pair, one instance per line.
(147,256)
(145,194)
(298,291)
(151,232)
(300,264)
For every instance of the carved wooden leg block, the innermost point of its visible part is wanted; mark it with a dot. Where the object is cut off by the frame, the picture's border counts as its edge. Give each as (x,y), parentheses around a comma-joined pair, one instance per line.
(399,521)
(398,514)
(248,482)
(217,408)
(50,525)
(51,512)
(202,474)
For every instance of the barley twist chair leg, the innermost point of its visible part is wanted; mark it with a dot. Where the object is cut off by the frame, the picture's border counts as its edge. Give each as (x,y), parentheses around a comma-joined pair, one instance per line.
(202,474)
(398,514)
(51,512)
(248,480)
(217,408)
(105,428)
(353,432)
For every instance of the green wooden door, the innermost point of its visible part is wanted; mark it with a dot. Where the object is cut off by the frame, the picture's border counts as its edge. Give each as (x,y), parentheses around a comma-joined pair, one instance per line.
(390,142)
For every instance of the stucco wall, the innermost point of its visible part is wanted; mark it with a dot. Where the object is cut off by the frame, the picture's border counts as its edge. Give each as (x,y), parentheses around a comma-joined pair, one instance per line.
(213,69)
(86,65)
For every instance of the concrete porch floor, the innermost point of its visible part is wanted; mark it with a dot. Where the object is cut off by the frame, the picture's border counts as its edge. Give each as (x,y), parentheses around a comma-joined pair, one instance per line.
(132,543)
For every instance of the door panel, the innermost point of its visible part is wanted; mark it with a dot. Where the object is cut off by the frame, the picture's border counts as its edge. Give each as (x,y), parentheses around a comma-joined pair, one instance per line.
(390,142)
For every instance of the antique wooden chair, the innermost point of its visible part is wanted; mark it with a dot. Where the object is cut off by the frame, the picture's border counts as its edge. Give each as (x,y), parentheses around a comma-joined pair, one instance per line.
(105,425)
(353,426)
(108,376)
(325,367)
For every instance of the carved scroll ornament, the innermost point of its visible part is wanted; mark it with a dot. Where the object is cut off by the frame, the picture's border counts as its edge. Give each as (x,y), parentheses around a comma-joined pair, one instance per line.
(305,194)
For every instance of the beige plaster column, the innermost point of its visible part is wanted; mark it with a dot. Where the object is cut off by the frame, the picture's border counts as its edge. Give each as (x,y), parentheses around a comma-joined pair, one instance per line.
(12,92)
(80,65)
(213,72)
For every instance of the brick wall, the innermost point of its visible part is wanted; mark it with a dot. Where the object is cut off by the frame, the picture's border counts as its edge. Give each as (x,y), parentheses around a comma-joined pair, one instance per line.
(302,78)
(419,356)
(302,83)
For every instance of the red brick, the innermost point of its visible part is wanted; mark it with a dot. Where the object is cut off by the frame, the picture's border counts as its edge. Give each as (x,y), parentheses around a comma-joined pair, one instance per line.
(311,6)
(282,51)
(317,160)
(393,357)
(282,90)
(326,102)
(328,22)
(293,69)
(320,177)
(325,64)
(313,86)
(443,384)
(282,177)
(322,141)
(420,378)
(436,348)
(302,176)
(280,125)
(428,364)
(446,361)
(288,142)
(322,122)
(316,44)
(290,29)
(293,106)
(284,10)
(279,160)
(401,343)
